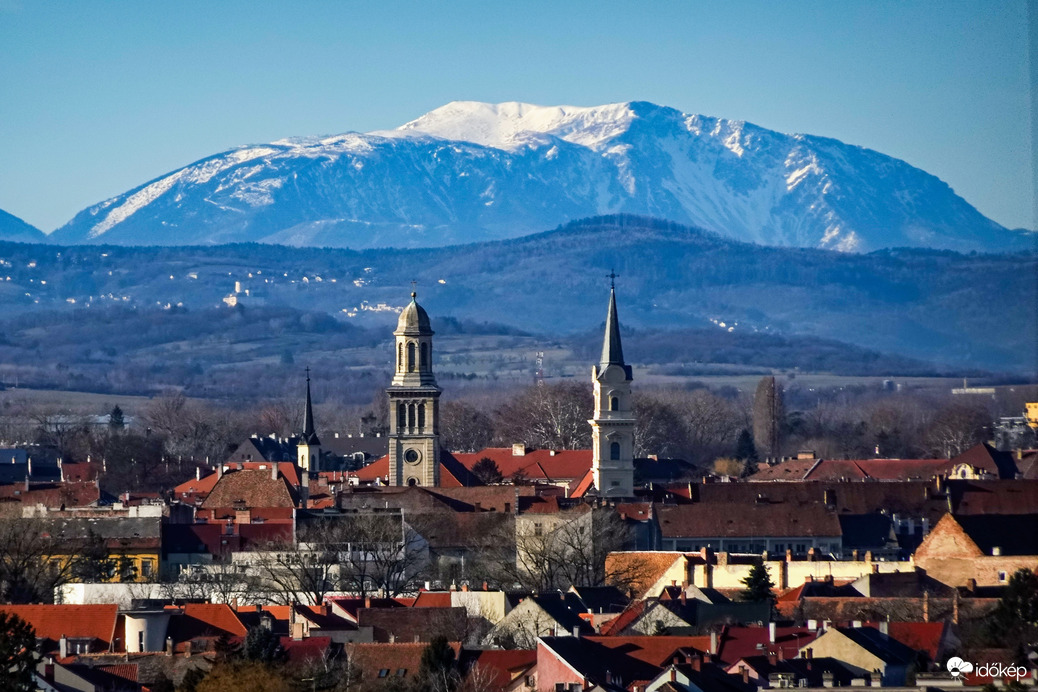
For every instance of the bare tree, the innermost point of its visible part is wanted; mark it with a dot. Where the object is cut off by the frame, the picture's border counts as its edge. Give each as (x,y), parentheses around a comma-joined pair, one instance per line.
(464,428)
(34,561)
(659,429)
(548,417)
(360,552)
(956,428)
(569,551)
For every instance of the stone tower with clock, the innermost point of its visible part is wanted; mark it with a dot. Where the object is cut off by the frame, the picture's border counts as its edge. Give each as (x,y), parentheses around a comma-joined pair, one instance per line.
(414,403)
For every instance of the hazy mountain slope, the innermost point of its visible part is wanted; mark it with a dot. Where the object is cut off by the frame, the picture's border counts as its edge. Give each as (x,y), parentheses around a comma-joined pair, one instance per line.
(474,171)
(938,306)
(14,229)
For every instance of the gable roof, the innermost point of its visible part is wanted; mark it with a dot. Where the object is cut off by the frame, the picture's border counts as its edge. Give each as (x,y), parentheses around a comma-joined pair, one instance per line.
(645,567)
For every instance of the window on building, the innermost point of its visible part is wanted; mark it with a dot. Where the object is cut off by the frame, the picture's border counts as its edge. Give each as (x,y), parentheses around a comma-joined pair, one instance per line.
(401,672)
(614,403)
(383,672)
(140,641)
(1002,577)
(410,357)
(424,358)
(421,416)
(614,451)
(538,529)
(400,357)
(146,568)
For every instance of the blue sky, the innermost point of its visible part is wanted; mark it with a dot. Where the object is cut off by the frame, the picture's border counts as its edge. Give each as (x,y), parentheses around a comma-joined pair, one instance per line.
(98,97)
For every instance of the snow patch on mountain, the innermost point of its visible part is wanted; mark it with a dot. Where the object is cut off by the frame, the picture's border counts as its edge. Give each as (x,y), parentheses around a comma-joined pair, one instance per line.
(473,171)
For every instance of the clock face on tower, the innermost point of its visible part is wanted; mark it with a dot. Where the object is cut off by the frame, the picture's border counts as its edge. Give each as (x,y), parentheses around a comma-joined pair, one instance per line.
(412,456)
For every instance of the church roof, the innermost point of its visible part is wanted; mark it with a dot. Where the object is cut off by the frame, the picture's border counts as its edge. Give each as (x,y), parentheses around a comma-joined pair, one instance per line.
(612,350)
(413,319)
(309,434)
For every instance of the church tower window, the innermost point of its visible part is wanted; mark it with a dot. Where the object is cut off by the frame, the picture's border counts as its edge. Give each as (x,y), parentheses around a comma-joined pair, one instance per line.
(614,451)
(423,360)
(410,356)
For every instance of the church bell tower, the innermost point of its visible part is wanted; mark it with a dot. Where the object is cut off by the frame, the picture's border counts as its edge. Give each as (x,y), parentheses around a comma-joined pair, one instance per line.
(414,403)
(612,428)
(308,449)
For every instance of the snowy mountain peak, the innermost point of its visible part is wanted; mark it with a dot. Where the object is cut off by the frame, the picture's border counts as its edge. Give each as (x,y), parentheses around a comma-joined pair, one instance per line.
(511,124)
(470,171)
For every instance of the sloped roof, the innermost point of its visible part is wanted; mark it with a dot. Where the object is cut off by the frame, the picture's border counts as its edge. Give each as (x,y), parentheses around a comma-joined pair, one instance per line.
(985,457)
(1013,534)
(751,521)
(504,665)
(741,642)
(52,622)
(52,495)
(918,636)
(551,466)
(811,670)
(253,486)
(647,566)
(204,620)
(880,645)
(853,469)
(622,621)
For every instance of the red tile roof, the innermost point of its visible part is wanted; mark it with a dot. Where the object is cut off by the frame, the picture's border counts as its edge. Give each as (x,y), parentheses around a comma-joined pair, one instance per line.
(919,636)
(51,622)
(194,490)
(204,621)
(741,642)
(623,620)
(652,650)
(433,599)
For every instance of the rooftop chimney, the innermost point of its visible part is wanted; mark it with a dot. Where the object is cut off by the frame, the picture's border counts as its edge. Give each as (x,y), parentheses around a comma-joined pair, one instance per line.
(771,632)
(519,449)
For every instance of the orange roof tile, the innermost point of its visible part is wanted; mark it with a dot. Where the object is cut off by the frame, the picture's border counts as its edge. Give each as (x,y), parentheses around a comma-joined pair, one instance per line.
(52,622)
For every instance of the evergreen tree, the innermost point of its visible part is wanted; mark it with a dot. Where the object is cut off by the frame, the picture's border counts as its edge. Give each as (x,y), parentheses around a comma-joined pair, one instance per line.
(757,586)
(261,644)
(116,419)
(487,471)
(437,671)
(1015,618)
(747,451)
(17,653)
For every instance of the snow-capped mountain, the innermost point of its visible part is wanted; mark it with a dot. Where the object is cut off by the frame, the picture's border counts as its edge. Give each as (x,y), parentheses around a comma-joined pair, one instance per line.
(470,171)
(14,229)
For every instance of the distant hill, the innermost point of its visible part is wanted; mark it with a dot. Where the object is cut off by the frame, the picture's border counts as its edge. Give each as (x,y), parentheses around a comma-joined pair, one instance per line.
(969,311)
(15,230)
(472,171)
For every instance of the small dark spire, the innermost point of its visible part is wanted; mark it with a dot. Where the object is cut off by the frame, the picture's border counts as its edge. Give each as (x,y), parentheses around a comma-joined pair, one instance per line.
(309,434)
(612,350)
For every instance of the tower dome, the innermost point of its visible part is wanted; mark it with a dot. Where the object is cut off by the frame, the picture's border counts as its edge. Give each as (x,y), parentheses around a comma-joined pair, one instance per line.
(413,319)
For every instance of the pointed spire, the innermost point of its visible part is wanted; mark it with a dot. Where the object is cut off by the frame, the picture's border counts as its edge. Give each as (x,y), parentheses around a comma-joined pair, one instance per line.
(309,434)
(612,351)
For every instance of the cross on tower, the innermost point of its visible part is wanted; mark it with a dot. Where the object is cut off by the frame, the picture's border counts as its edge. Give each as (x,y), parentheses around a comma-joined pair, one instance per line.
(612,276)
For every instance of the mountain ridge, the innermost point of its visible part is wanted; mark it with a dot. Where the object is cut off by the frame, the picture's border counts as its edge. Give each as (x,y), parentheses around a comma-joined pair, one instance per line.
(934,305)
(470,171)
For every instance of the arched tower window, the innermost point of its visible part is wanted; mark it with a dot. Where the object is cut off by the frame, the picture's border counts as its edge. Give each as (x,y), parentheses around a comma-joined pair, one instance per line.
(410,356)
(400,357)
(614,403)
(423,360)
(421,417)
(412,482)
(614,451)
(401,416)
